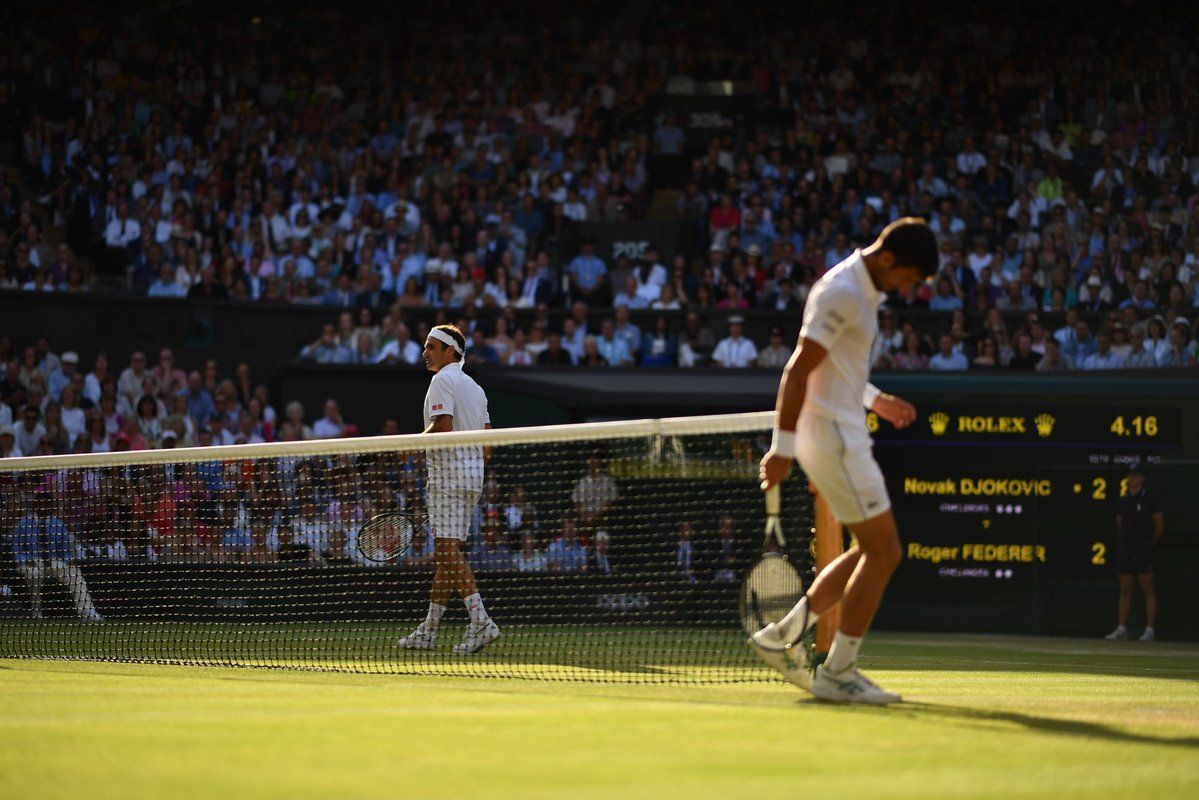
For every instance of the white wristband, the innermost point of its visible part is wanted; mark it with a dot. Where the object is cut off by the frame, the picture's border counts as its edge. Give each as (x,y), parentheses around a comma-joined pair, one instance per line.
(783,443)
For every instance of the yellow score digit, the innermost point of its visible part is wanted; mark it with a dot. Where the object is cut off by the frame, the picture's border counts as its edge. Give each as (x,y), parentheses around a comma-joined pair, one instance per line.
(1099,489)
(1140,425)
(1099,554)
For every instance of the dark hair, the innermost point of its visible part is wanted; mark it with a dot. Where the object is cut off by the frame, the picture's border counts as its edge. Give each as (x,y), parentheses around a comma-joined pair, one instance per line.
(912,243)
(456,332)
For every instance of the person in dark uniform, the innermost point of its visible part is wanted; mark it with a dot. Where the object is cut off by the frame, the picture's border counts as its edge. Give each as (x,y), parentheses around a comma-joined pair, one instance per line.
(1139,525)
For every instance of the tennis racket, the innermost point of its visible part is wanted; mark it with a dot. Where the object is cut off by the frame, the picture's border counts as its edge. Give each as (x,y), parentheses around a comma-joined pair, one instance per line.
(387,536)
(772,586)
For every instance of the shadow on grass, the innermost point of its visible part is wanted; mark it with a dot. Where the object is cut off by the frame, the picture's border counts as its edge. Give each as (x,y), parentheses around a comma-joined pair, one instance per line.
(1051,725)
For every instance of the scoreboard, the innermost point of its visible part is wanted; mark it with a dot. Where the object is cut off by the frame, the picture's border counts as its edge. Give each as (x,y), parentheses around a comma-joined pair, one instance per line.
(1003,506)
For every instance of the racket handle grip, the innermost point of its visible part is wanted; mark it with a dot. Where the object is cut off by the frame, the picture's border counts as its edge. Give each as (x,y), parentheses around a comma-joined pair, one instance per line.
(773,501)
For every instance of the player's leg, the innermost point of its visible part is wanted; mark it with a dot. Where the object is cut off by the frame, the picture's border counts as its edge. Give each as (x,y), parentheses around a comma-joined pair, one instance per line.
(878,541)
(839,679)
(442,520)
(482,630)
(839,462)
(1127,582)
(31,571)
(825,592)
(1149,589)
(70,576)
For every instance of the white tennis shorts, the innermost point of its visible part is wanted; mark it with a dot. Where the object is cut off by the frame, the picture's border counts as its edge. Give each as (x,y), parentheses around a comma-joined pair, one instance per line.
(839,462)
(450,512)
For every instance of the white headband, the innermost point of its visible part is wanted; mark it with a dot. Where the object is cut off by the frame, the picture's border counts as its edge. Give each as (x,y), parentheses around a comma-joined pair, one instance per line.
(445,338)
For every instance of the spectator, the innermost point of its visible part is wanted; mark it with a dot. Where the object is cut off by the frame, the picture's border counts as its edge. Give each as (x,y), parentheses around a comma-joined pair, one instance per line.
(1179,354)
(566,554)
(669,137)
(1103,357)
(41,546)
(1139,357)
(555,355)
(593,496)
(946,359)
(365,351)
(591,355)
(1025,357)
(726,567)
(612,348)
(529,558)
(171,380)
(661,347)
(74,419)
(947,297)
(133,378)
(149,421)
(735,350)
(30,432)
(61,377)
(327,349)
(695,343)
(1054,360)
(603,566)
(587,272)
(8,442)
(520,516)
(627,332)
(1081,344)
(331,425)
(480,351)
(913,357)
(95,379)
(684,552)
(776,354)
(200,406)
(492,554)
(400,350)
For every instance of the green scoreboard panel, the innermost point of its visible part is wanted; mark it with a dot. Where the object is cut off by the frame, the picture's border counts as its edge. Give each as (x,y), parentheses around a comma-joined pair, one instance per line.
(998,504)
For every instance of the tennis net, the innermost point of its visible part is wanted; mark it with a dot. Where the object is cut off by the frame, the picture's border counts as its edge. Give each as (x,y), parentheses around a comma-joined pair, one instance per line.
(605,551)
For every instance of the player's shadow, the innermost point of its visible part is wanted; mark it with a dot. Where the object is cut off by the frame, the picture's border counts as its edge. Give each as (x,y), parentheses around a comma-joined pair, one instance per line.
(1051,725)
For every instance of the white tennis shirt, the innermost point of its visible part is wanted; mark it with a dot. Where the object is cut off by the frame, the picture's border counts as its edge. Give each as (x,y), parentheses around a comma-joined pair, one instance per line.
(454,392)
(841,315)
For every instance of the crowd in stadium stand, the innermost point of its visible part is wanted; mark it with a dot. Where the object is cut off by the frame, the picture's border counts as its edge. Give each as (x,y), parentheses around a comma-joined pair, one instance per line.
(282,509)
(263,163)
(50,404)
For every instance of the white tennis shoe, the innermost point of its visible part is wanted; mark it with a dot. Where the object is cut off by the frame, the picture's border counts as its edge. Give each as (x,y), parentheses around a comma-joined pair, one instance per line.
(793,663)
(477,637)
(419,639)
(850,686)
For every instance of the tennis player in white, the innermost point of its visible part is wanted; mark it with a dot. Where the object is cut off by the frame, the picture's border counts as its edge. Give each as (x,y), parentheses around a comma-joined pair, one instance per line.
(454,402)
(820,420)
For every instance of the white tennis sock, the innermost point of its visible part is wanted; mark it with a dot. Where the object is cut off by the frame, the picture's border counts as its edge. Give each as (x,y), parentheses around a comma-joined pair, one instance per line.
(843,653)
(434,617)
(474,607)
(790,625)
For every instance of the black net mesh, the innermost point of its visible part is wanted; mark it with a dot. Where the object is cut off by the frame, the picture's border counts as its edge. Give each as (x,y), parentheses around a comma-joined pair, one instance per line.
(598,556)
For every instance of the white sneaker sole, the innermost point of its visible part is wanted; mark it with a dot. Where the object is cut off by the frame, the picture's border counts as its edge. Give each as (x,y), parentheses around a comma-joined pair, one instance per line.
(835,694)
(463,649)
(408,643)
(792,663)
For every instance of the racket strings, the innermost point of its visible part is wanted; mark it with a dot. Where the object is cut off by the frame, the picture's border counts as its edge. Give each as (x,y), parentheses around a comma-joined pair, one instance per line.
(385,538)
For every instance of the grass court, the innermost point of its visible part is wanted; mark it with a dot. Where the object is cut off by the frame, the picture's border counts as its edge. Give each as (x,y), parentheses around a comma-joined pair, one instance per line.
(984,716)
